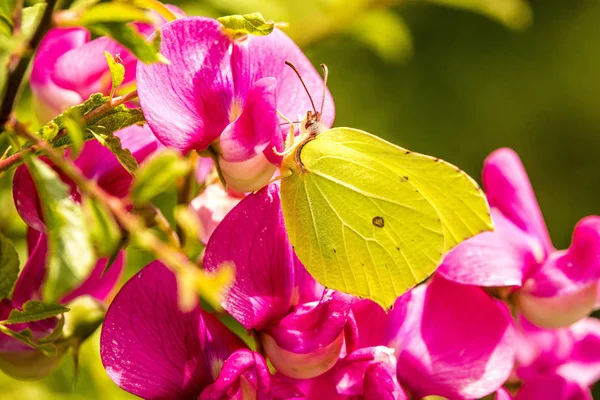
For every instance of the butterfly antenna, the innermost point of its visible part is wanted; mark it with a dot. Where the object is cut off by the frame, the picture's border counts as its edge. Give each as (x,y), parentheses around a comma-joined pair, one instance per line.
(325,75)
(292,66)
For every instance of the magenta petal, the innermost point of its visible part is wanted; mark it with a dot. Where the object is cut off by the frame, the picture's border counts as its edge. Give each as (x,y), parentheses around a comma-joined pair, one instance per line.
(84,69)
(98,284)
(253,237)
(253,130)
(29,284)
(308,341)
(151,348)
(187,101)
(508,189)
(450,319)
(371,373)
(493,259)
(583,363)
(259,57)
(26,199)
(555,387)
(244,375)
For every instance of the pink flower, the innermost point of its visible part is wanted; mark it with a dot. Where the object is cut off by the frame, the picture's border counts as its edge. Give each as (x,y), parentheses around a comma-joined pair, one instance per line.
(19,360)
(571,353)
(224,90)
(68,67)
(211,206)
(303,329)
(552,288)
(151,348)
(95,162)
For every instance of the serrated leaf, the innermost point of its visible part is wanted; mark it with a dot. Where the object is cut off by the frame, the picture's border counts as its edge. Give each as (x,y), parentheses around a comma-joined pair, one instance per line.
(157,175)
(104,231)
(112,13)
(9,267)
(107,139)
(70,252)
(146,52)
(34,310)
(26,337)
(117,71)
(249,24)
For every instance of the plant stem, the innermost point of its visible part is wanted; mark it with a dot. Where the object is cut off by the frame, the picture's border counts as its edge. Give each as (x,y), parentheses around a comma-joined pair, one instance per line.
(14,159)
(16,75)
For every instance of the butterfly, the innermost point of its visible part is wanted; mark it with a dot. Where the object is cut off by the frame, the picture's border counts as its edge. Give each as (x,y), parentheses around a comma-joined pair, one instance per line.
(370,218)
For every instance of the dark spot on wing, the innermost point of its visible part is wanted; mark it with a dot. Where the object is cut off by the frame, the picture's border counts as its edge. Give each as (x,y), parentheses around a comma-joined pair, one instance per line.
(378,221)
(334,251)
(404,179)
(397,248)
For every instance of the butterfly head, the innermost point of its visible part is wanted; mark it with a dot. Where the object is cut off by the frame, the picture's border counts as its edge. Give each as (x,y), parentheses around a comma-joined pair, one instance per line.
(311,125)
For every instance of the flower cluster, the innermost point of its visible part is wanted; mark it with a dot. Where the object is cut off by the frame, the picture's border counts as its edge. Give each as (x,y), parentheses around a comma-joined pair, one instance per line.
(505,315)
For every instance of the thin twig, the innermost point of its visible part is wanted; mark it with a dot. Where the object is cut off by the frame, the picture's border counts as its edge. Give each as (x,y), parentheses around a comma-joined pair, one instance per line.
(16,75)
(14,159)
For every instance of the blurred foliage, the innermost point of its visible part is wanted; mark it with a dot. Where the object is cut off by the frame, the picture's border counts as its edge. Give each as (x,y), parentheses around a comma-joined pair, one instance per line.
(434,78)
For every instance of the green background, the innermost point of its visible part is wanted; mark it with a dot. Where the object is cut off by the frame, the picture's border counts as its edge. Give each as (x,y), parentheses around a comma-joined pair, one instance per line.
(442,80)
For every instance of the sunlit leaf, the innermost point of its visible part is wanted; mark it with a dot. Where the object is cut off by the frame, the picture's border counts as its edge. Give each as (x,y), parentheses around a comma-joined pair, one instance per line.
(73,127)
(117,71)
(70,252)
(157,175)
(156,6)
(34,311)
(147,52)
(112,142)
(110,13)
(104,231)
(249,24)
(9,267)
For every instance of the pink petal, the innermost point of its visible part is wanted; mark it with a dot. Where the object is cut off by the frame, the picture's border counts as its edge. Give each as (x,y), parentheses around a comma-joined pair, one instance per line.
(247,176)
(583,364)
(211,206)
(253,130)
(245,373)
(259,57)
(98,284)
(502,394)
(151,348)
(307,342)
(493,259)
(29,284)
(449,319)
(552,387)
(203,169)
(253,237)
(26,199)
(379,328)
(84,69)
(371,373)
(187,101)
(508,189)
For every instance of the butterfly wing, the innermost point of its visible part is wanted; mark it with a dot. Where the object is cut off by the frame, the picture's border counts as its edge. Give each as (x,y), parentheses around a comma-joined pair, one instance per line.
(373,219)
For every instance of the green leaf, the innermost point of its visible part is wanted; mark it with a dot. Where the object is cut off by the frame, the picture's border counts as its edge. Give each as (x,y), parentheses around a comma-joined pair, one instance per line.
(111,13)
(249,24)
(157,175)
(117,71)
(34,311)
(6,12)
(107,138)
(191,227)
(147,52)
(82,5)
(105,233)
(9,267)
(157,6)
(73,126)
(70,252)
(30,19)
